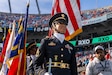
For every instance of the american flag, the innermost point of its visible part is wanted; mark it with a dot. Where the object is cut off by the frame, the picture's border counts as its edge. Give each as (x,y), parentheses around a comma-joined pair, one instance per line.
(72,9)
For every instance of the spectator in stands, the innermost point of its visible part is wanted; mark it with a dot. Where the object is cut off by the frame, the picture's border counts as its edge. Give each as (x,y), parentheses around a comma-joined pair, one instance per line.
(99,65)
(107,56)
(79,64)
(86,61)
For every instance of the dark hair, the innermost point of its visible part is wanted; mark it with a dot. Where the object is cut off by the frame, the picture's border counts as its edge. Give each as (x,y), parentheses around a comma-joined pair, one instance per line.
(30,46)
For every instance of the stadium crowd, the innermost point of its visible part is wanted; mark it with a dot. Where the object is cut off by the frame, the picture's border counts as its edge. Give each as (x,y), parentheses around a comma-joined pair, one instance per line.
(84,57)
(42,20)
(33,21)
(88,14)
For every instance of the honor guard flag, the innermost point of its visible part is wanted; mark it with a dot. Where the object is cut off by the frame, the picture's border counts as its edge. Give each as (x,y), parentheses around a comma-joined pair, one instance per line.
(17,60)
(72,9)
(17,51)
(4,68)
(5,46)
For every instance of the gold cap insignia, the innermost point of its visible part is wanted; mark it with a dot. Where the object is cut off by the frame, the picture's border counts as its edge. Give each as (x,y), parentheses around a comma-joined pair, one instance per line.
(63,15)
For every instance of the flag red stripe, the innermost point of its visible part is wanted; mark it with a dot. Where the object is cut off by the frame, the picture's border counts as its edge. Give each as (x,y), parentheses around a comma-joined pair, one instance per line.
(70,11)
(78,2)
(22,65)
(71,14)
(14,67)
(4,47)
(58,7)
(54,7)
(67,33)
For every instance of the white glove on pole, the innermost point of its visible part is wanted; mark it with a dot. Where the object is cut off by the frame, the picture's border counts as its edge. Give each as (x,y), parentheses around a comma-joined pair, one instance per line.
(49,68)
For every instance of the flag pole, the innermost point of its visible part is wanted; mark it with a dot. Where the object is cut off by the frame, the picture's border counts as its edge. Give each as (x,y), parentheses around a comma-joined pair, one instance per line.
(49,68)
(23,55)
(25,23)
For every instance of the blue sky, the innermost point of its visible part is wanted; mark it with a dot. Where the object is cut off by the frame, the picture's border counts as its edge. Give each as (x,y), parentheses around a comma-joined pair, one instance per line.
(92,4)
(19,6)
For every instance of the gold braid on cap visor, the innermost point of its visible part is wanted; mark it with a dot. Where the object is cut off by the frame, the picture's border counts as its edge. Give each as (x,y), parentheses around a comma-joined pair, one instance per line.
(59,18)
(31,45)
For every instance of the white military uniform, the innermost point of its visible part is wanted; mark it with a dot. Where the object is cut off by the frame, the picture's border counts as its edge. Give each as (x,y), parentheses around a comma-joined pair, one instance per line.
(97,67)
(30,59)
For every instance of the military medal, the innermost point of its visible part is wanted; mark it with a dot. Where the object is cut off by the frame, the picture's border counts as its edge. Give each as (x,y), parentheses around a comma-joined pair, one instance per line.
(55,57)
(68,47)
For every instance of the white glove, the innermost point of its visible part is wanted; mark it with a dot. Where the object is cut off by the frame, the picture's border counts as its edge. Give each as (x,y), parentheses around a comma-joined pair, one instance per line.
(47,73)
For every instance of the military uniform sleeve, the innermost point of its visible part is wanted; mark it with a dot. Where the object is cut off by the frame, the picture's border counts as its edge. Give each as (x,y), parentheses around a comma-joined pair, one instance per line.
(30,69)
(41,53)
(73,65)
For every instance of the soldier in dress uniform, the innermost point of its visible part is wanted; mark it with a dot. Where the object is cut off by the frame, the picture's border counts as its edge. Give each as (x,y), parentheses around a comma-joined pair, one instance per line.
(31,51)
(61,52)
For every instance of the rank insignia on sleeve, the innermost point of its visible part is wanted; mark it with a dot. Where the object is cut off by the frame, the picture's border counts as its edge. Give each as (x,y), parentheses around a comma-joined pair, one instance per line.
(51,44)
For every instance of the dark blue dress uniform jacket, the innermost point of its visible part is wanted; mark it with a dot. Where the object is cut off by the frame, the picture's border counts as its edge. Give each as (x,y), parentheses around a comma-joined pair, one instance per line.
(58,52)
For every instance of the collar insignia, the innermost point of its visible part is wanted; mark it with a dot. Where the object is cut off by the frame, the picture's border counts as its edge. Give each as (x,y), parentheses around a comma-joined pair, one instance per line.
(68,47)
(51,44)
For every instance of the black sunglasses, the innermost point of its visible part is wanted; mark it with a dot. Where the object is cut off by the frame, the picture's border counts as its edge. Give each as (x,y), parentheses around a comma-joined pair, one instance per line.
(99,52)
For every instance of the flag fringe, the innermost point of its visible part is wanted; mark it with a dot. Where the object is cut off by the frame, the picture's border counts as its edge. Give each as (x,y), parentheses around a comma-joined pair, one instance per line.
(78,31)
